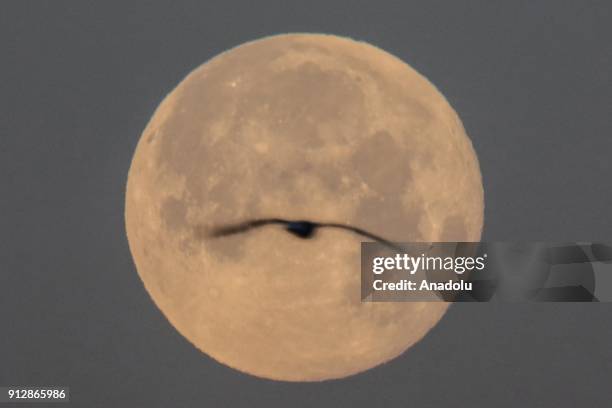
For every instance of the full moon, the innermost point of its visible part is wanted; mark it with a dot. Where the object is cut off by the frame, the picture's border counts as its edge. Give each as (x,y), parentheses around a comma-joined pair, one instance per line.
(296,126)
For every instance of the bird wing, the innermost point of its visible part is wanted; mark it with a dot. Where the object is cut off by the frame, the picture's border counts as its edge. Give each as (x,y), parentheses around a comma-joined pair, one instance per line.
(223,230)
(364,233)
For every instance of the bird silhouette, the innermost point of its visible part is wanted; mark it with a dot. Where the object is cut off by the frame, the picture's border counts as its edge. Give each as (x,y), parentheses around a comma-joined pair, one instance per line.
(300,228)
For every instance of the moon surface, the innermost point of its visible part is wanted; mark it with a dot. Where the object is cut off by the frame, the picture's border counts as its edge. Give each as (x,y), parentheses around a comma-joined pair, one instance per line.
(296,126)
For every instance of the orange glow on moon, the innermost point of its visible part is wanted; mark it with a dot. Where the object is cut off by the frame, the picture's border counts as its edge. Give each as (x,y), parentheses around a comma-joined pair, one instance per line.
(299,126)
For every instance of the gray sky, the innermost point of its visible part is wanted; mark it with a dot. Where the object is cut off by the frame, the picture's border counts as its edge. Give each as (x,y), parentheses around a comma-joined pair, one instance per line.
(80,80)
